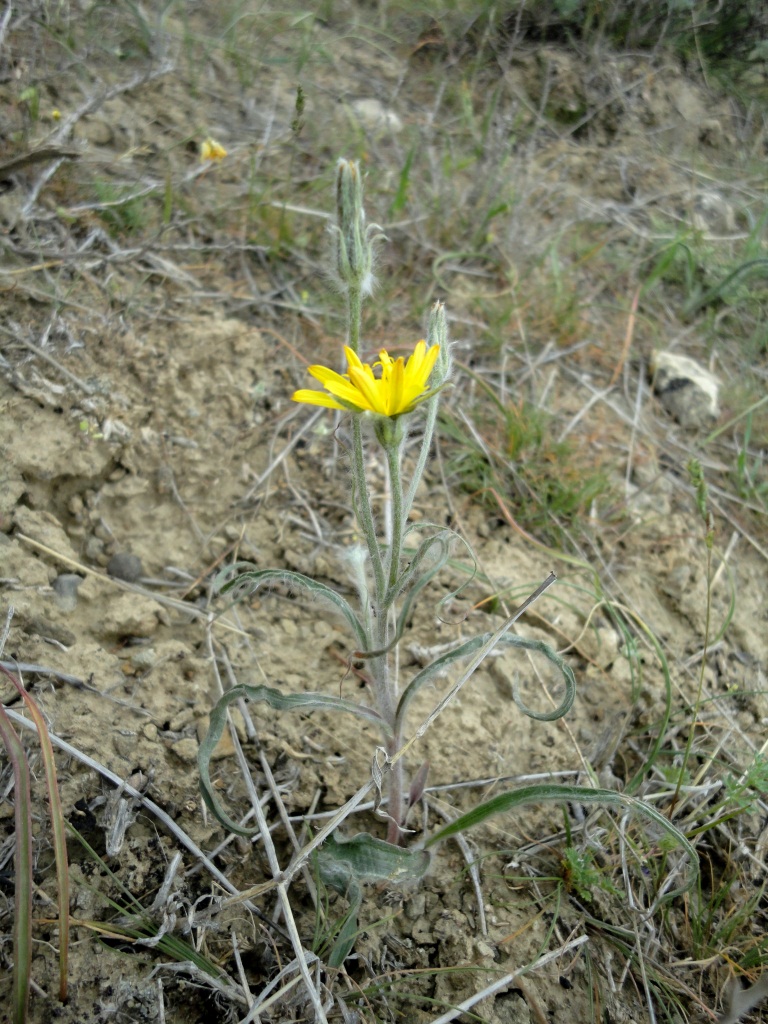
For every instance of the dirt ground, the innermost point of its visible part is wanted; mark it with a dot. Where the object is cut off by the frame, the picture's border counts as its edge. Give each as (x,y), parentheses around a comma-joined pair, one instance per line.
(146,374)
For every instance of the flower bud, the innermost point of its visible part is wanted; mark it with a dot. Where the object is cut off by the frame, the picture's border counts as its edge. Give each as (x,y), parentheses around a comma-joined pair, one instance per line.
(437,334)
(389,432)
(354,245)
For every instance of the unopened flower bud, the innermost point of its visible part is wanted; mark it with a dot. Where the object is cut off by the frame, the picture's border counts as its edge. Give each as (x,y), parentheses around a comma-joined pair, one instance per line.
(354,242)
(437,334)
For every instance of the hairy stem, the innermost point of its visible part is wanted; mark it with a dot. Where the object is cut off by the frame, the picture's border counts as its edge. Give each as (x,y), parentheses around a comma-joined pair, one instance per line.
(398,513)
(426,444)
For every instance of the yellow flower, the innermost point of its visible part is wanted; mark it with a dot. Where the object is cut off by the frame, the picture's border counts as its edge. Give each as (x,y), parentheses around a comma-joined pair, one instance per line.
(212,150)
(56,114)
(398,390)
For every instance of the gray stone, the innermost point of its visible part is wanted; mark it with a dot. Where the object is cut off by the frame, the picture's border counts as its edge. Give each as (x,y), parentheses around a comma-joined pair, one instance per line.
(65,587)
(125,566)
(685,389)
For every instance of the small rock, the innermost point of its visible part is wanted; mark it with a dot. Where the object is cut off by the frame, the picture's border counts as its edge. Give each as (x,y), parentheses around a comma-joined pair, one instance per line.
(416,906)
(144,659)
(65,587)
(601,645)
(685,389)
(45,628)
(186,750)
(125,566)
(94,550)
(373,115)
(131,615)
(713,213)
(124,744)
(45,529)
(421,932)
(98,131)
(11,490)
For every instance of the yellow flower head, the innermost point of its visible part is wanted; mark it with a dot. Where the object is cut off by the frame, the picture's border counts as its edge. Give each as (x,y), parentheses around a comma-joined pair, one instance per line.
(400,388)
(212,150)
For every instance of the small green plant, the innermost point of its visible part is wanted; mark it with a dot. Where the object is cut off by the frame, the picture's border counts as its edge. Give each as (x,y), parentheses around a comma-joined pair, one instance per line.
(124,212)
(581,875)
(510,450)
(30,97)
(389,575)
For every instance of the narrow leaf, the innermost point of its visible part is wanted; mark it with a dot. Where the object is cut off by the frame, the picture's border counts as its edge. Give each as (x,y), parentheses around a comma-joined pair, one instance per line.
(343,865)
(22,925)
(367,859)
(508,640)
(280,702)
(250,582)
(57,827)
(505,802)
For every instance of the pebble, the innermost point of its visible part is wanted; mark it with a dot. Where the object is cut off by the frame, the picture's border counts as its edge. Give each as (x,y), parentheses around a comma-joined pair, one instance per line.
(131,615)
(186,750)
(65,587)
(125,566)
(144,659)
(373,115)
(685,389)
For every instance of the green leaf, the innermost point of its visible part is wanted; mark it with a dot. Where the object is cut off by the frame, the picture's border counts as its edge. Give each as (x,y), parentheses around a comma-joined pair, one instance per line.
(250,582)
(505,802)
(509,640)
(280,702)
(343,865)
(367,859)
(570,680)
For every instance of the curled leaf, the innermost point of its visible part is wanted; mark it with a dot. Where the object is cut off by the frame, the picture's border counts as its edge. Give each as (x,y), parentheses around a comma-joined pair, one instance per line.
(249,582)
(280,702)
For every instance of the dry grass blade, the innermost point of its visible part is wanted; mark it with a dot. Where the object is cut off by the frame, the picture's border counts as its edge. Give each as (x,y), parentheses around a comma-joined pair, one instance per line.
(57,827)
(22,925)
(508,981)
(142,798)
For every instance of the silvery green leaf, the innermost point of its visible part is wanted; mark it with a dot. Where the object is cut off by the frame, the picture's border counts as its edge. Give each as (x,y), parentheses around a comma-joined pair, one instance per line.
(280,702)
(505,802)
(469,647)
(344,865)
(251,581)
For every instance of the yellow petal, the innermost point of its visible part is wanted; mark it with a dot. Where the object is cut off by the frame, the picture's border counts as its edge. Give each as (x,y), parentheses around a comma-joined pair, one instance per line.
(369,390)
(315,398)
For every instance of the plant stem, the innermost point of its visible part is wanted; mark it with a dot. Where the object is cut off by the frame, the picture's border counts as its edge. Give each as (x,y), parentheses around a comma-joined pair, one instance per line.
(363,510)
(363,502)
(426,444)
(354,317)
(398,515)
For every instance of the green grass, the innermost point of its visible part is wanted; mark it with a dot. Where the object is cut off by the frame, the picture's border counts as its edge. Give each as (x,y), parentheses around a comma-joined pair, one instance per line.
(509,450)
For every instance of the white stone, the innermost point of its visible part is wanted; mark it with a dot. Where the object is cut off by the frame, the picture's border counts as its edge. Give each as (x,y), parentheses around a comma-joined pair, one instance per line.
(373,115)
(686,389)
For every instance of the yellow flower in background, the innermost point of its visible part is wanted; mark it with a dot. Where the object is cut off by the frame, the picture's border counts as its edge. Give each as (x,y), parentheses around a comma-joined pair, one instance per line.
(400,388)
(56,114)
(212,150)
